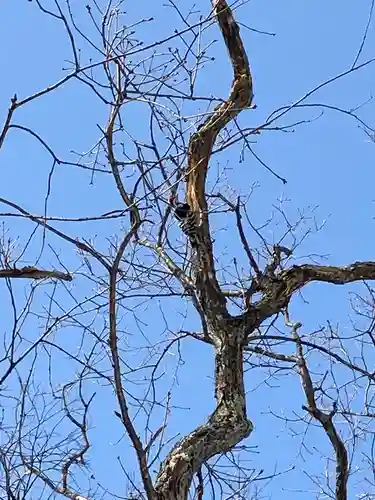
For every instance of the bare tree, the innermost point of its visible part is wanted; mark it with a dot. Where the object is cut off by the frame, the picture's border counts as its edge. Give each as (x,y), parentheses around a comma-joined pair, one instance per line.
(96,326)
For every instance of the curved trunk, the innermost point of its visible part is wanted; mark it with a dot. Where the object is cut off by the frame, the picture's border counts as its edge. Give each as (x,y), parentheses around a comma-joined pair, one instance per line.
(226,427)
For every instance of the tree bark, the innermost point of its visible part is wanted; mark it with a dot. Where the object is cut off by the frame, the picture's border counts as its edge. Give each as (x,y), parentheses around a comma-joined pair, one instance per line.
(228,424)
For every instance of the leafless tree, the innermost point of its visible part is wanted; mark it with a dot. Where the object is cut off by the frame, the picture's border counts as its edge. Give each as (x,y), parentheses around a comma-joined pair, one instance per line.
(111,302)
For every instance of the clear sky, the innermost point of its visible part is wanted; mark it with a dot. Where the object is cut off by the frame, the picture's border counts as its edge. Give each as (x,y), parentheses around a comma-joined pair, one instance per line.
(328,162)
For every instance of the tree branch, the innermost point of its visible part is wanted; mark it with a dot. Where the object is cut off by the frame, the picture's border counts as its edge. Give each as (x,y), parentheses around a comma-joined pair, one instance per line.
(299,276)
(278,291)
(118,383)
(199,153)
(325,419)
(34,273)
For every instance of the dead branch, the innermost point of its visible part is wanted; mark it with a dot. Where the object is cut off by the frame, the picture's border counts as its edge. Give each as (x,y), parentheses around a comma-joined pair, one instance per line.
(31,272)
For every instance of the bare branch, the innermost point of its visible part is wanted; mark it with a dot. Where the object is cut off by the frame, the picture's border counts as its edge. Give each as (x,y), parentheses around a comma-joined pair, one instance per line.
(120,393)
(228,424)
(278,291)
(326,420)
(34,273)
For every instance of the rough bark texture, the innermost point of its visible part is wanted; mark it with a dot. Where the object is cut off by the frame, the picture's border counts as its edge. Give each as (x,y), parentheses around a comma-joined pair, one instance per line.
(278,290)
(229,335)
(228,424)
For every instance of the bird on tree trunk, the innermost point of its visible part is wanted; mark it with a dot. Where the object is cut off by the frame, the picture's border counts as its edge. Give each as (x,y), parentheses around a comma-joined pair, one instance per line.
(186,219)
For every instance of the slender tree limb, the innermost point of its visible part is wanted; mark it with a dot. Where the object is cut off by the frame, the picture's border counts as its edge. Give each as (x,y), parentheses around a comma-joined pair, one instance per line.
(41,222)
(270,354)
(128,200)
(141,452)
(77,456)
(65,492)
(8,119)
(244,242)
(316,347)
(325,419)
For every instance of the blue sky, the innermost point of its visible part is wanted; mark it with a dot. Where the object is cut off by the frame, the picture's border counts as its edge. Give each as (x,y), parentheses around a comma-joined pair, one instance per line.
(327,161)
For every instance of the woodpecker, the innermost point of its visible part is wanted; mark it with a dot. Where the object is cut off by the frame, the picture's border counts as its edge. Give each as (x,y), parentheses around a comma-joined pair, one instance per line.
(186,220)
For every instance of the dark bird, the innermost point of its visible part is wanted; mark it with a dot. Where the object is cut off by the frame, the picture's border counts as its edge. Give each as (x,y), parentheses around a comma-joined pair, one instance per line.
(186,218)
